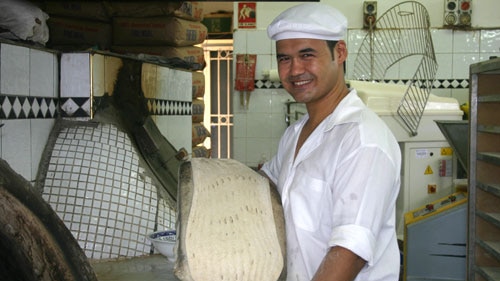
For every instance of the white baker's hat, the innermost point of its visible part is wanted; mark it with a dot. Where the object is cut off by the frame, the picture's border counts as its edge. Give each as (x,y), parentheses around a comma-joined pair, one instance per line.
(309,21)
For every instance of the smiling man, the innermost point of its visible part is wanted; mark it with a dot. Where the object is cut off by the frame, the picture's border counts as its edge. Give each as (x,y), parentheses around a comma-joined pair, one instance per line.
(337,169)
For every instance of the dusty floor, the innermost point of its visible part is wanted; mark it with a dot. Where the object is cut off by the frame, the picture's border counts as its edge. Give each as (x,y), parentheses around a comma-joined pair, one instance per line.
(148,268)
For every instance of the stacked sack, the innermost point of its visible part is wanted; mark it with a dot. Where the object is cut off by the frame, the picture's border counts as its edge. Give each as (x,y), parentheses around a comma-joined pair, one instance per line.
(154,31)
(199,133)
(78,25)
(167,30)
(162,29)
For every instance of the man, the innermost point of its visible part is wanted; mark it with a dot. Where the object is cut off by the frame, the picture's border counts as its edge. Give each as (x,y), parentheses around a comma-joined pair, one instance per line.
(337,169)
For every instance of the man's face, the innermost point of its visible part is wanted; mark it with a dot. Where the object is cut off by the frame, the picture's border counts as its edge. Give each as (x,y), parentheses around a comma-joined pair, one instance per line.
(307,69)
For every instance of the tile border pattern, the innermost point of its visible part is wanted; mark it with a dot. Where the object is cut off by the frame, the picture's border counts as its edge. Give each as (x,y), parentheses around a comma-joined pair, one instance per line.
(438,83)
(25,107)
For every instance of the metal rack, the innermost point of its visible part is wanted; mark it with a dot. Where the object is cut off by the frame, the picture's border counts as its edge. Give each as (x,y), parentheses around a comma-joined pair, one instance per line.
(401,37)
(484,172)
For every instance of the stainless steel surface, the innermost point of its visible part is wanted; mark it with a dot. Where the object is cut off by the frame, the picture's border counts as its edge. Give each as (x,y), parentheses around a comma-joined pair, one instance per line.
(456,133)
(471,214)
(147,268)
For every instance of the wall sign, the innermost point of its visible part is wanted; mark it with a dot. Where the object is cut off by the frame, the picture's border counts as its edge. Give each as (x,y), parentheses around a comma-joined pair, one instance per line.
(247,15)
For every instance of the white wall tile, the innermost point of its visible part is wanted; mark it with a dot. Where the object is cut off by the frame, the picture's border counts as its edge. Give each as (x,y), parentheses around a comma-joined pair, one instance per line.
(163,83)
(56,81)
(259,125)
(466,41)
(354,40)
(490,41)
(240,149)
(16,146)
(461,64)
(395,72)
(445,66)
(442,40)
(75,75)
(409,66)
(240,130)
(40,132)
(239,102)
(278,99)
(350,66)
(264,62)
(240,40)
(14,69)
(43,76)
(260,102)
(278,125)
(181,83)
(258,42)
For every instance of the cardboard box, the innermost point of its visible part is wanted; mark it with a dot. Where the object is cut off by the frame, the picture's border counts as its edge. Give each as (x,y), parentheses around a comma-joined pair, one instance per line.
(172,31)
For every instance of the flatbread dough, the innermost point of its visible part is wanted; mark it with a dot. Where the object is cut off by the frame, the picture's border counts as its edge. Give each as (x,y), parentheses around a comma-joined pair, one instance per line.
(230,224)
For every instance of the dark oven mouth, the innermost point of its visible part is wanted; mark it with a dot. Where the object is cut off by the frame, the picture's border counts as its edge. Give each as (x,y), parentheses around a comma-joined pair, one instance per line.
(34,242)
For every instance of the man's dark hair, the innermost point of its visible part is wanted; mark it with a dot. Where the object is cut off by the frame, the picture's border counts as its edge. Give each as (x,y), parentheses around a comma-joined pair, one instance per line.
(331,45)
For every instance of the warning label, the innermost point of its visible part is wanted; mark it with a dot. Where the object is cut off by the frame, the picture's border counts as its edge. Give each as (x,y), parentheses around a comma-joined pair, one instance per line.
(428,170)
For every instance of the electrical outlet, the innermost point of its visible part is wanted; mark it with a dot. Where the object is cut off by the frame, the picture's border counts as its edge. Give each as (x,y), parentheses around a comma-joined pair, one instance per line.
(369,14)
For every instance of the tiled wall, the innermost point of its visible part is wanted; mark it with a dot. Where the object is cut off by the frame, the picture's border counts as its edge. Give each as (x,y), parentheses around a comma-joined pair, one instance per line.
(257,129)
(106,198)
(29,90)
(92,175)
(87,77)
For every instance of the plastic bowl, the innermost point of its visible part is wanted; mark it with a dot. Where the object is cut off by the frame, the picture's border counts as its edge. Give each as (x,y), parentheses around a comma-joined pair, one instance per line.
(164,242)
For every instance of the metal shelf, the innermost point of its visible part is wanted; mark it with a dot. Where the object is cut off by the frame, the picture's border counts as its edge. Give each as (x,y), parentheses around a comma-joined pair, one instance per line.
(488,129)
(492,247)
(489,273)
(489,98)
(486,67)
(490,157)
(493,218)
(483,257)
(491,188)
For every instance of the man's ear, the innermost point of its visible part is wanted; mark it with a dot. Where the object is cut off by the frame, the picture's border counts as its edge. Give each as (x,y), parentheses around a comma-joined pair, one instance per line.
(340,52)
